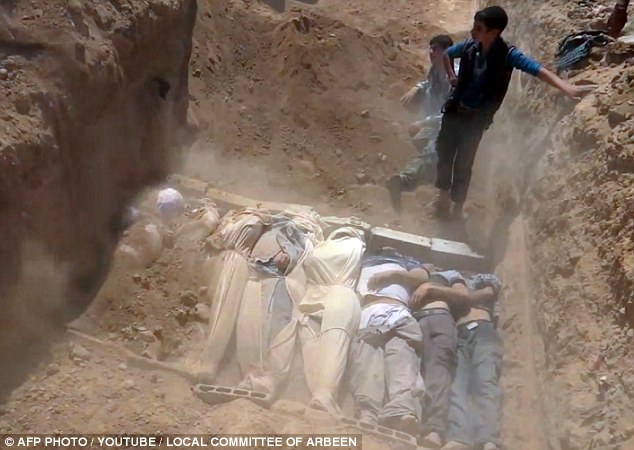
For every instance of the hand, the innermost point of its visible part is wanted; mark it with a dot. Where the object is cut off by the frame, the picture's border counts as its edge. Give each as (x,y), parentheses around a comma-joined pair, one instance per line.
(380,280)
(453,80)
(578,91)
(282,261)
(419,297)
(409,96)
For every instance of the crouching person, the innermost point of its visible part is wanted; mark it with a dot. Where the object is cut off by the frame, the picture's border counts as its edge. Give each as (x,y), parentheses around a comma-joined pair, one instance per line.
(428,97)
(384,357)
(474,414)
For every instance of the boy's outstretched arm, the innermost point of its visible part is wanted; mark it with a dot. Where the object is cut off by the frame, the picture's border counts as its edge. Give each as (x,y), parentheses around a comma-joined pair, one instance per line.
(527,64)
(567,88)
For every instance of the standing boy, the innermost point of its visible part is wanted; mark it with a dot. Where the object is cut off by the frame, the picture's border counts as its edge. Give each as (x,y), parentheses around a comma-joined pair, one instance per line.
(486,65)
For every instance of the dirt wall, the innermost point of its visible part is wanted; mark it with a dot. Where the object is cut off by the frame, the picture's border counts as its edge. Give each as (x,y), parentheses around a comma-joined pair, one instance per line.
(93,94)
(566,169)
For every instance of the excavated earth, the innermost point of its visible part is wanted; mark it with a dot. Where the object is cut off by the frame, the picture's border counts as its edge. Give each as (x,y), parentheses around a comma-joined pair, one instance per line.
(304,105)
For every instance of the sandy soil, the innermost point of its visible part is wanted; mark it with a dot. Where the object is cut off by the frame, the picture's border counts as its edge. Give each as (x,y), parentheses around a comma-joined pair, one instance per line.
(278,101)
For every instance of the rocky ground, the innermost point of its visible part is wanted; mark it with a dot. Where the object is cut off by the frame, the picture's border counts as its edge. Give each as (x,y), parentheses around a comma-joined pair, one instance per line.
(304,105)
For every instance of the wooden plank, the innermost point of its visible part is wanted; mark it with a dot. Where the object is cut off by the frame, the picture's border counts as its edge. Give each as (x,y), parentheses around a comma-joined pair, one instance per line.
(227,201)
(132,358)
(456,255)
(441,252)
(408,244)
(188,186)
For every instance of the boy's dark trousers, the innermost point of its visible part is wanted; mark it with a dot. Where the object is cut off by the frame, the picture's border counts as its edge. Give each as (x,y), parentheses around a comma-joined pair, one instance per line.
(457,144)
(476,398)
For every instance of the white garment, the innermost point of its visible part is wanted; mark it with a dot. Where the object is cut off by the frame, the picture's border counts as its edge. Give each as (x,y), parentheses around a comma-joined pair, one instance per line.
(328,316)
(228,280)
(331,272)
(170,203)
(382,314)
(393,291)
(239,230)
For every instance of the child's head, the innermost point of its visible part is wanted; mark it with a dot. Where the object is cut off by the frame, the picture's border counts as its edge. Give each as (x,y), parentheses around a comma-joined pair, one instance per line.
(488,24)
(437,45)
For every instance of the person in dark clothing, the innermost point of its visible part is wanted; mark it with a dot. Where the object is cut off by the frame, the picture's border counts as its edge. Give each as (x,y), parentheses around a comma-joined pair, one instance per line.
(440,340)
(486,65)
(476,397)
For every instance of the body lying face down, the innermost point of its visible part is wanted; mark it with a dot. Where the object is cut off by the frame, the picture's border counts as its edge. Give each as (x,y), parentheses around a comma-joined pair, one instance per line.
(412,328)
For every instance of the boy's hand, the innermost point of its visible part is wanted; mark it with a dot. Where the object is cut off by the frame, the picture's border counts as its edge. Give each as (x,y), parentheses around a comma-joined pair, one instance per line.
(571,90)
(579,91)
(409,96)
(380,280)
(419,297)
(453,79)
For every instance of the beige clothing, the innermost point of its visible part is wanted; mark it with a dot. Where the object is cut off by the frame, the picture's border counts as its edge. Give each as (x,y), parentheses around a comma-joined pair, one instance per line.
(226,288)
(239,231)
(235,237)
(239,295)
(327,316)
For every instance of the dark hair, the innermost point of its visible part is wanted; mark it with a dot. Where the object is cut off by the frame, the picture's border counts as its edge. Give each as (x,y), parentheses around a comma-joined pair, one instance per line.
(442,40)
(493,17)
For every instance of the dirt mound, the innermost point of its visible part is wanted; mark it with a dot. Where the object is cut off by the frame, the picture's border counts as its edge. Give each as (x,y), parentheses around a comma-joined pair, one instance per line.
(313,94)
(289,95)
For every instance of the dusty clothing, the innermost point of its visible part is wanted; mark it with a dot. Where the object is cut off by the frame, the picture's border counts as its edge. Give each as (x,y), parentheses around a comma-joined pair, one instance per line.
(332,270)
(384,364)
(267,304)
(476,400)
(421,169)
(434,91)
(481,281)
(239,231)
(229,278)
(288,233)
(393,291)
(240,291)
(439,341)
(235,237)
(384,360)
(266,308)
(326,317)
